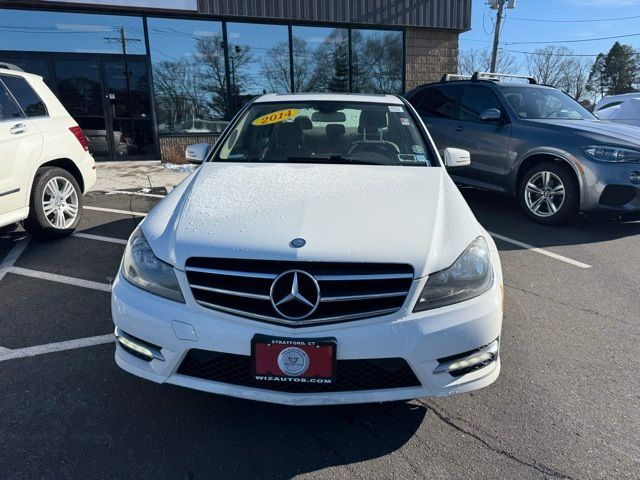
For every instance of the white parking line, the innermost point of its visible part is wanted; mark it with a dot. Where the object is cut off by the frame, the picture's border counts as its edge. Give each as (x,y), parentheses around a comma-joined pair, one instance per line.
(54,277)
(113,210)
(100,238)
(139,194)
(541,251)
(13,255)
(6,354)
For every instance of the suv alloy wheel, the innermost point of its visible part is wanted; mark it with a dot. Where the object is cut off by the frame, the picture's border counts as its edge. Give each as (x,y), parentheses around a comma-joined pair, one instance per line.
(56,201)
(548,194)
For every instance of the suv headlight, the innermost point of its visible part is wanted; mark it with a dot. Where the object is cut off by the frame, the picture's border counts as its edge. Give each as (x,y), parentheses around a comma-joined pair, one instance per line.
(610,153)
(142,268)
(469,276)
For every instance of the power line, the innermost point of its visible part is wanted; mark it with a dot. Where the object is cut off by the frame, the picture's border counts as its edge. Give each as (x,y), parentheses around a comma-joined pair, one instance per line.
(574,21)
(562,54)
(574,41)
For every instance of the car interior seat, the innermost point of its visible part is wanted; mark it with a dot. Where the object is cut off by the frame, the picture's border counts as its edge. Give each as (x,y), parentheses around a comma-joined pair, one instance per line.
(371,126)
(336,138)
(289,142)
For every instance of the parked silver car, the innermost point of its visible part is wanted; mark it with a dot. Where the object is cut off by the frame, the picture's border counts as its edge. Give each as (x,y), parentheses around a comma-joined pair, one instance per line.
(534,142)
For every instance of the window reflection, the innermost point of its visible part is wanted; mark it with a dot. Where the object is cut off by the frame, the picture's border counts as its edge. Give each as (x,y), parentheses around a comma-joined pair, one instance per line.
(377,61)
(320,59)
(258,61)
(26,30)
(188,75)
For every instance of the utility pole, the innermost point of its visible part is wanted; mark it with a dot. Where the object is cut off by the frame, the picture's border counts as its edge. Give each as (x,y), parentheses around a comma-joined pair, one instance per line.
(499,6)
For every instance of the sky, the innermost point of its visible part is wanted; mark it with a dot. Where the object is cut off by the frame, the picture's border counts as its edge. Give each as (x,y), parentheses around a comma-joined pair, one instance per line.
(578,27)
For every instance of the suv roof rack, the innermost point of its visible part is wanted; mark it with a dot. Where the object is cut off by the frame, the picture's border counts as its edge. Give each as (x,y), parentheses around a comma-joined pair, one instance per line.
(499,76)
(10,66)
(448,77)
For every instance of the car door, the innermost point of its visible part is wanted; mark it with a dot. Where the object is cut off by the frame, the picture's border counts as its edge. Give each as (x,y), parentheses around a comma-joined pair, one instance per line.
(20,148)
(486,140)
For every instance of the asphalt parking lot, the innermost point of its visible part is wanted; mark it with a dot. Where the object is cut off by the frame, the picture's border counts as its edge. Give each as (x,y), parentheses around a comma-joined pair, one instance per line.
(566,404)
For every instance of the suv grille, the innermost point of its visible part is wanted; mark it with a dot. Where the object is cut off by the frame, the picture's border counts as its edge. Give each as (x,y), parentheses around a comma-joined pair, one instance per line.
(351,375)
(347,291)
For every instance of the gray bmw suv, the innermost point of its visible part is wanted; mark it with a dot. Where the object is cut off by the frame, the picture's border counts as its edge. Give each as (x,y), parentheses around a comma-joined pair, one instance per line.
(533,142)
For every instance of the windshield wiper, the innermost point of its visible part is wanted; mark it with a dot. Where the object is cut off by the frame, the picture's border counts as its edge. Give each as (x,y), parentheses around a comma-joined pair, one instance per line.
(335,159)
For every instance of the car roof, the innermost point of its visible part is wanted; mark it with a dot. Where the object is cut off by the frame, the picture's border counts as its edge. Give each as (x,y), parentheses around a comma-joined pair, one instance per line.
(17,73)
(329,97)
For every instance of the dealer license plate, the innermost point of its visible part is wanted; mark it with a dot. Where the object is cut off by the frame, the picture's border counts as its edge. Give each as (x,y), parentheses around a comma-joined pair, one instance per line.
(277,359)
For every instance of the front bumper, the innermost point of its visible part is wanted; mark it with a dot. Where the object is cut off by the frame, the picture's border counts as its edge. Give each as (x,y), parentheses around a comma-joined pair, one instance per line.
(420,339)
(607,187)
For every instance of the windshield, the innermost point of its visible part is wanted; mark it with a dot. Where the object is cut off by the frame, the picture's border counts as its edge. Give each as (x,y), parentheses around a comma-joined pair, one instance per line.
(544,103)
(326,132)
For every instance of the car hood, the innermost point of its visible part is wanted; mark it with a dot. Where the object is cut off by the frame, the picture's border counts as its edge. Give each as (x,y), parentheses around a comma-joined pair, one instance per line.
(354,213)
(597,130)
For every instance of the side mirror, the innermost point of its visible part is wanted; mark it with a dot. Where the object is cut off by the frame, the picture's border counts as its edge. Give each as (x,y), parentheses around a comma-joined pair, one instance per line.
(491,115)
(196,153)
(456,157)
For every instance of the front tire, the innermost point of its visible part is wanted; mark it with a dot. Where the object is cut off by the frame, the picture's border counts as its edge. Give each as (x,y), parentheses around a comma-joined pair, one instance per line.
(548,194)
(55,205)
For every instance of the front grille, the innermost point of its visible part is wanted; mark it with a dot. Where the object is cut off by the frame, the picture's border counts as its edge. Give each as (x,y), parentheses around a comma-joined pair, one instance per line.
(351,375)
(348,291)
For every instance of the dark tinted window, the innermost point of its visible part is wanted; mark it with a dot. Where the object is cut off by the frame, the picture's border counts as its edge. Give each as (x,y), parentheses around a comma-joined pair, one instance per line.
(8,108)
(475,100)
(28,100)
(437,102)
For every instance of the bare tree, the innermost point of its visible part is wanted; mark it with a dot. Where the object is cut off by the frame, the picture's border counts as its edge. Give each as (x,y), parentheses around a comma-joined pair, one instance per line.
(550,65)
(478,60)
(575,80)
(210,58)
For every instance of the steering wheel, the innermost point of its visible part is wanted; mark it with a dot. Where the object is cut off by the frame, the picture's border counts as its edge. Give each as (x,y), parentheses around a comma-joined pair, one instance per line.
(384,149)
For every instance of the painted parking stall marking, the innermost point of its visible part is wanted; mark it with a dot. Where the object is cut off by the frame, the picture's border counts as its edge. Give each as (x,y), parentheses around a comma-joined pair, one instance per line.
(113,210)
(541,251)
(100,238)
(13,255)
(54,277)
(7,354)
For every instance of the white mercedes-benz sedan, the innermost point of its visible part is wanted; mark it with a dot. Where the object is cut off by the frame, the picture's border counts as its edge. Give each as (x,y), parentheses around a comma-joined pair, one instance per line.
(321,254)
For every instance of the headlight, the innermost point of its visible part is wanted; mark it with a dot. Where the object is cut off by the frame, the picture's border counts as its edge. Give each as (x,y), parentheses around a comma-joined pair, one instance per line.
(608,153)
(142,268)
(469,276)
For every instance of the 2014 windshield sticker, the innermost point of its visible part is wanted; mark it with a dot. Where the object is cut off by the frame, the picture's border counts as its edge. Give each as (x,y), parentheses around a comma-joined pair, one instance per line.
(275,117)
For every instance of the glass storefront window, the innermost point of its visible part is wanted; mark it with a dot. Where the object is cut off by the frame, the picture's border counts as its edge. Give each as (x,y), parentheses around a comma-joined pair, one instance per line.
(320,59)
(31,31)
(258,60)
(189,76)
(377,61)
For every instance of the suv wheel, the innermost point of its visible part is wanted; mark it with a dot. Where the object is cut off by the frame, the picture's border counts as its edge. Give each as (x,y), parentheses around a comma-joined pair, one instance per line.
(548,194)
(55,205)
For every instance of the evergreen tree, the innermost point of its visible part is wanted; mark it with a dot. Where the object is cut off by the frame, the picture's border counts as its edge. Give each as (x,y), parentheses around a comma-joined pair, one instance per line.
(340,80)
(617,71)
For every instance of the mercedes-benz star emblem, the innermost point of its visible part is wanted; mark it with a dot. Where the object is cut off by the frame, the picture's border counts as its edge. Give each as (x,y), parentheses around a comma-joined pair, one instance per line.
(297,243)
(295,294)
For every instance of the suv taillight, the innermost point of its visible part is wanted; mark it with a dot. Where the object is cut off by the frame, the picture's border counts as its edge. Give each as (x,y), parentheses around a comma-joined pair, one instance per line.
(77,132)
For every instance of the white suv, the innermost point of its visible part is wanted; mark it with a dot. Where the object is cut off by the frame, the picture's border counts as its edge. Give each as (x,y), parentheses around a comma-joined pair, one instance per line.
(45,164)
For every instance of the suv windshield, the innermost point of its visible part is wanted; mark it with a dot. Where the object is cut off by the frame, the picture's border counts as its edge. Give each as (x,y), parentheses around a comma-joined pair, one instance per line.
(544,103)
(326,132)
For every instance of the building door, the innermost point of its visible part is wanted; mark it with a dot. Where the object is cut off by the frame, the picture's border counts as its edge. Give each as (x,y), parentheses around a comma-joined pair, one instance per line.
(113,111)
(80,89)
(128,116)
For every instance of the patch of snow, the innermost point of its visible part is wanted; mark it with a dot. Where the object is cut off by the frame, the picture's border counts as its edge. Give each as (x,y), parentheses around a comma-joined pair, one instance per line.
(183,168)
